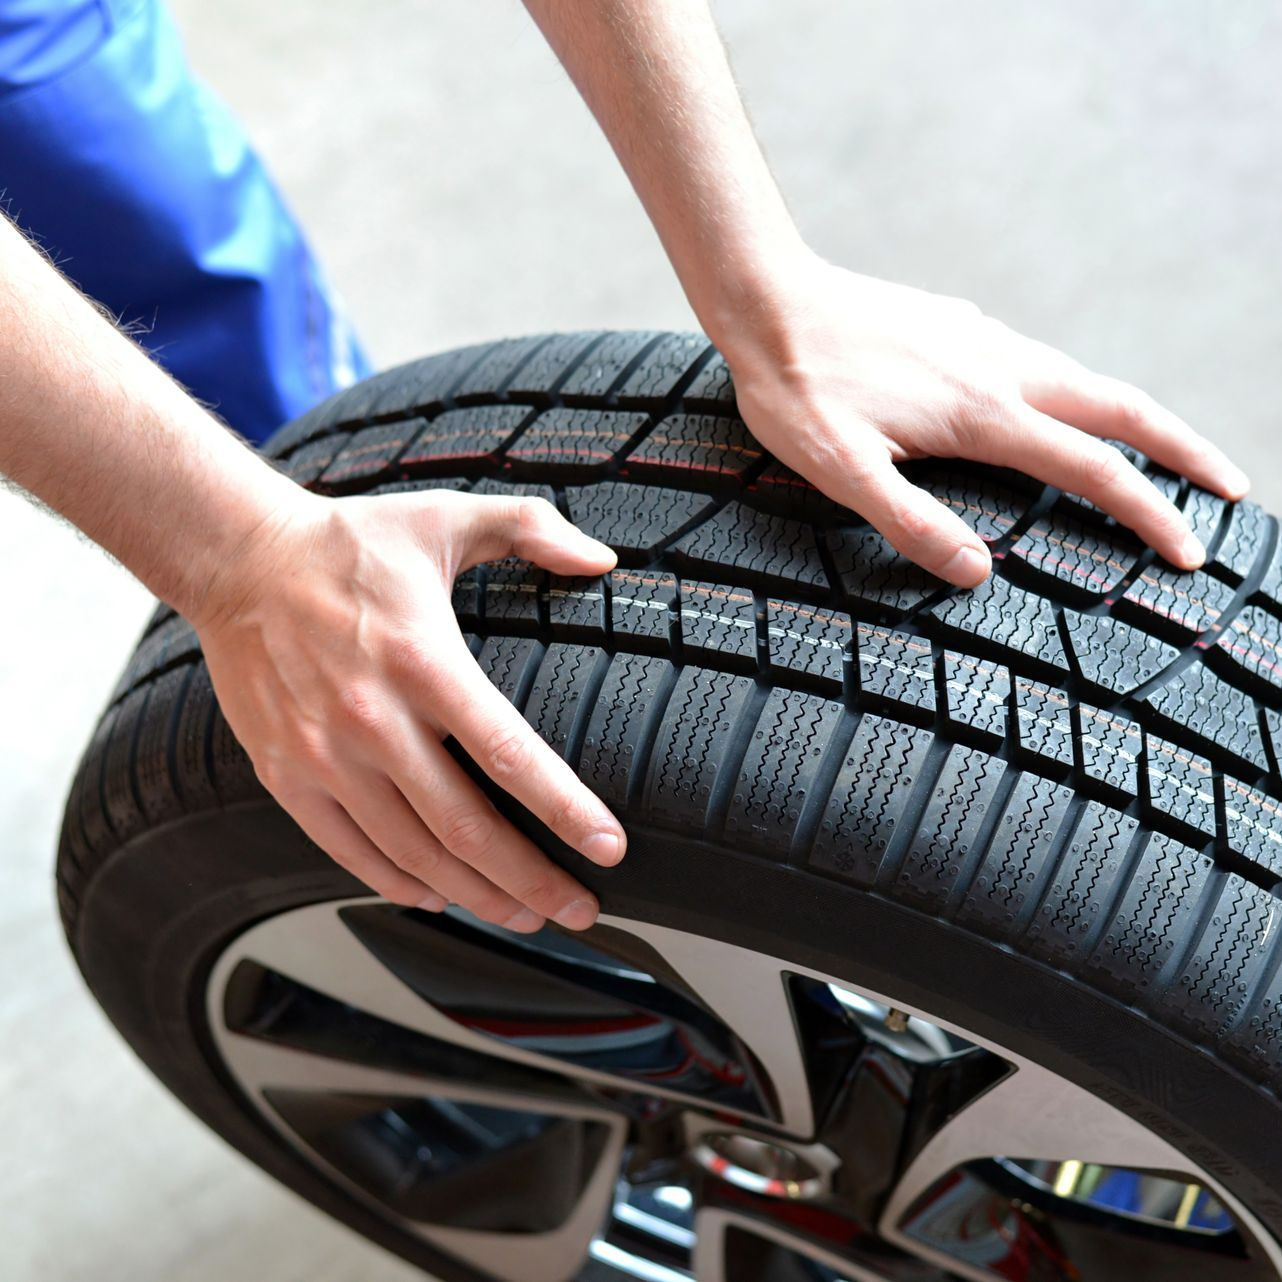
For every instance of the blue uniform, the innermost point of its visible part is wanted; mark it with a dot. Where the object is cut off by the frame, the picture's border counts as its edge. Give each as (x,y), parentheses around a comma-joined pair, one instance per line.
(144,189)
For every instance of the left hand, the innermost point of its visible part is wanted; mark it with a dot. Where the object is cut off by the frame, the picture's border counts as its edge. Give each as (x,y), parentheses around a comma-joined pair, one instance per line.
(842,376)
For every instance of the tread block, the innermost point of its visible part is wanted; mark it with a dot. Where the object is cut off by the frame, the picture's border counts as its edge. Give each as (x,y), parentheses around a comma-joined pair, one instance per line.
(1216,712)
(1243,540)
(643,603)
(808,638)
(779,769)
(873,573)
(1205,514)
(712,385)
(602,367)
(157,789)
(472,434)
(976,694)
(507,661)
(558,685)
(989,508)
(306,463)
(756,543)
(1254,642)
(174,641)
(94,822)
(694,739)
(1255,1043)
(1226,962)
(1193,601)
(719,619)
(1088,872)
(1111,748)
(1085,557)
(576,603)
(371,452)
(124,812)
(570,437)
(634,519)
(1113,654)
(467,597)
(944,840)
(1182,785)
(418,383)
(512,590)
(514,489)
(1156,912)
(1006,616)
(550,364)
(1044,722)
(876,778)
(702,445)
(656,377)
(613,739)
(1018,858)
(229,763)
(895,666)
(1253,825)
(191,743)
(777,486)
(498,366)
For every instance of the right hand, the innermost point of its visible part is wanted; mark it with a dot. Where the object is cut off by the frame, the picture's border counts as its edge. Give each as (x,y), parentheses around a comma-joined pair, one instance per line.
(334,652)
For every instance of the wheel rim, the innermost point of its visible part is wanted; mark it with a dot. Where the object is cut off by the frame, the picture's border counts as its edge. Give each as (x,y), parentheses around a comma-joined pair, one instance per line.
(645,1103)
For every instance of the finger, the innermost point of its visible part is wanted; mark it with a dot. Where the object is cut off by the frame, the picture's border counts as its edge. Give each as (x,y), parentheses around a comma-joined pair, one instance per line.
(914,523)
(1111,408)
(506,748)
(533,529)
(1081,464)
(338,835)
(389,821)
(471,829)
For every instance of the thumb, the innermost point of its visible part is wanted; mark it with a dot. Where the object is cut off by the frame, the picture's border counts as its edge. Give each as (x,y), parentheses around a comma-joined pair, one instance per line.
(533,529)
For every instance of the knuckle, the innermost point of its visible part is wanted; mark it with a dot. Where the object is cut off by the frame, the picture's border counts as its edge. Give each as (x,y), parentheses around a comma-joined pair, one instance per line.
(467,830)
(506,754)
(908,524)
(421,859)
(568,816)
(361,708)
(1102,468)
(533,513)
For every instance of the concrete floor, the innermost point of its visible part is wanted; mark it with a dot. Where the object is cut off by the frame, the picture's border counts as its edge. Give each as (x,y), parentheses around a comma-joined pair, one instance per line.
(1103,177)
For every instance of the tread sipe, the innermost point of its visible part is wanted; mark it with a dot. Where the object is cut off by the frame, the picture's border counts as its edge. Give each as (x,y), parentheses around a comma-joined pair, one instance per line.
(1077,762)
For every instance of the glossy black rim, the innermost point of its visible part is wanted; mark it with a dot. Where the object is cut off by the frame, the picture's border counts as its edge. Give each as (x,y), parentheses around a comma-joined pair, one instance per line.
(644,1103)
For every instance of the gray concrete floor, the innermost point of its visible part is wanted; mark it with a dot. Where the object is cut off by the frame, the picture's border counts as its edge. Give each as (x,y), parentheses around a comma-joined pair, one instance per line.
(1102,176)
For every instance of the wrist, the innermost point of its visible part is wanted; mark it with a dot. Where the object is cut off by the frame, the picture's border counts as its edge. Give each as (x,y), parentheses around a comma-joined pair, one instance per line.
(243,523)
(749,310)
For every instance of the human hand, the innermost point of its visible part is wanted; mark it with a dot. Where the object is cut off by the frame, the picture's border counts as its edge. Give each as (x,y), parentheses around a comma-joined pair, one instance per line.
(841,376)
(333,649)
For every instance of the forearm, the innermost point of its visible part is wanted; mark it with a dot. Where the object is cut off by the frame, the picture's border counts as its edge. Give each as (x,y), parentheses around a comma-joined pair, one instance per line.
(97,431)
(655,75)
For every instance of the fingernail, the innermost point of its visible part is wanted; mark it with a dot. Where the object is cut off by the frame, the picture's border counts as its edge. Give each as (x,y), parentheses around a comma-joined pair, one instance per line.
(524,921)
(967,567)
(433,903)
(1192,553)
(576,915)
(604,848)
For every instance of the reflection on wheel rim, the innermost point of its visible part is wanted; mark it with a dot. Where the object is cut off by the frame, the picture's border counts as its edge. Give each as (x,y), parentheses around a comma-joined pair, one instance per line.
(648,1104)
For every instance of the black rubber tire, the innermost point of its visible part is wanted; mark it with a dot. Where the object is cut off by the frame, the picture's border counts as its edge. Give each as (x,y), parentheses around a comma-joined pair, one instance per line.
(1046,809)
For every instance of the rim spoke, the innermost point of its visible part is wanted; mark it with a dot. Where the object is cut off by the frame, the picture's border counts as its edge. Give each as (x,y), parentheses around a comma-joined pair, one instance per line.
(546,1004)
(746,991)
(336,1108)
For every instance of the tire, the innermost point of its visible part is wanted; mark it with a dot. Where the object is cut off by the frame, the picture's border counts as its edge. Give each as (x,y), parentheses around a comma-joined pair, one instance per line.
(1044,811)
